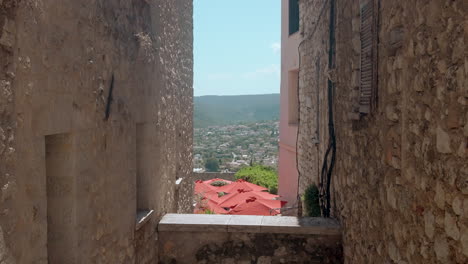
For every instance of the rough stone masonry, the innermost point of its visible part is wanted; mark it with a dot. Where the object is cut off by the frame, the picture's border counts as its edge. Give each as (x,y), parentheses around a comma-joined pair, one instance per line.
(95,124)
(400,185)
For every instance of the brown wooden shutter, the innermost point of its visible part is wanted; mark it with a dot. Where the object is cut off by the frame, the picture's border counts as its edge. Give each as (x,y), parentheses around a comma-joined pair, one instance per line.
(369,37)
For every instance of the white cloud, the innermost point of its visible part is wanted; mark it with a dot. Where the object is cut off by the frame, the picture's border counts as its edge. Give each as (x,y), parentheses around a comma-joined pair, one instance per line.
(276,47)
(271,70)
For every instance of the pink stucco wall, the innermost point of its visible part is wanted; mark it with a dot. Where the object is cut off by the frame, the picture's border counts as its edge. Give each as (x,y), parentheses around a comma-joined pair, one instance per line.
(288,132)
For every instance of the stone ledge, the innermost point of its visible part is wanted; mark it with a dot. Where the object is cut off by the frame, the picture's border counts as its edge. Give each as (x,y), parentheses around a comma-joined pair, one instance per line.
(249,224)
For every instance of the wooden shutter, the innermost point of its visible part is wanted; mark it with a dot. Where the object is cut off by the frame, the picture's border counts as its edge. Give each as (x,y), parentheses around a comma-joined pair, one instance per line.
(369,38)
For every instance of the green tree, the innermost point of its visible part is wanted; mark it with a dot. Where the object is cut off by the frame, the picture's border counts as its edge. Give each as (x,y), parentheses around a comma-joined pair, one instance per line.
(260,175)
(212,165)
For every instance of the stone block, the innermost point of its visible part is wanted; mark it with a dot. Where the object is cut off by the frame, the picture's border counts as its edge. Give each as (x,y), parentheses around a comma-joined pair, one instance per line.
(391,113)
(441,248)
(457,205)
(464,242)
(264,260)
(5,92)
(391,197)
(453,118)
(451,227)
(307,225)
(7,36)
(458,49)
(245,223)
(465,207)
(463,148)
(429,224)
(443,141)
(393,252)
(396,38)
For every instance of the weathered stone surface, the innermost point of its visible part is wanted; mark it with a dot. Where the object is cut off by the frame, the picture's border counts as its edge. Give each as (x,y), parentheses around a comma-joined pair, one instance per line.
(57,63)
(391,113)
(464,242)
(451,227)
(429,224)
(216,247)
(457,205)
(7,191)
(403,165)
(463,148)
(391,198)
(7,38)
(249,224)
(264,260)
(443,141)
(178,231)
(4,254)
(439,197)
(441,248)
(465,207)
(393,252)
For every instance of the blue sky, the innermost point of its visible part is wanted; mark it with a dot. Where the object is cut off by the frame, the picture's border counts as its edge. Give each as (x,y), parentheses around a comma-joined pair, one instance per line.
(237,47)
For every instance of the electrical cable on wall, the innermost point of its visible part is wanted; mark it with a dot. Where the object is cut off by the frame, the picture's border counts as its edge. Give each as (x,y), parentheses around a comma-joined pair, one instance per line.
(327,168)
(297,132)
(322,10)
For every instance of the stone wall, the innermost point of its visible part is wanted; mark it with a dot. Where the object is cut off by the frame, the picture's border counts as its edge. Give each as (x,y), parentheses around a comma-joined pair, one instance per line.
(248,239)
(8,185)
(58,65)
(400,181)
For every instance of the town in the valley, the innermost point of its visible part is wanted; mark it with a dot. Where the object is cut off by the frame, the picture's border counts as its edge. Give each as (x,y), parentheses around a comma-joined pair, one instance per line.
(235,146)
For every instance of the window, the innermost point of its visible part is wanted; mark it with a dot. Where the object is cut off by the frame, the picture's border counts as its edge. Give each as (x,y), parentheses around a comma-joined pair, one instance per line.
(293,100)
(293,16)
(369,39)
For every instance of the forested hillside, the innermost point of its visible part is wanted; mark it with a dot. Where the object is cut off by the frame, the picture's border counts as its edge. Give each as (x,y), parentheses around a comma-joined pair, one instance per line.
(226,110)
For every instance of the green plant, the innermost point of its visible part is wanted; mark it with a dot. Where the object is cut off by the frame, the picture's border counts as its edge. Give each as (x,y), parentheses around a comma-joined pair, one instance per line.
(260,175)
(311,201)
(212,165)
(208,211)
(219,183)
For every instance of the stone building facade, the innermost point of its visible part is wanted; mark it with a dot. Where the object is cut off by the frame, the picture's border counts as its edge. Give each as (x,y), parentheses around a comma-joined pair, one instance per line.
(400,177)
(95,126)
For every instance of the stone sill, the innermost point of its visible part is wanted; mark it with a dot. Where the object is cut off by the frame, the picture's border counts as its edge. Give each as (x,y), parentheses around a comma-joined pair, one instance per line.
(249,224)
(293,34)
(142,217)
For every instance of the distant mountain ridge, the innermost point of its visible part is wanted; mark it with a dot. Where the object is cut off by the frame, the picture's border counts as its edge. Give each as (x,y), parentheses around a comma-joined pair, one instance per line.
(213,110)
